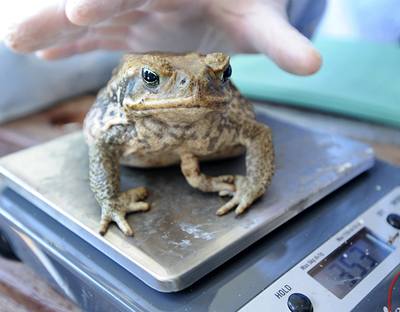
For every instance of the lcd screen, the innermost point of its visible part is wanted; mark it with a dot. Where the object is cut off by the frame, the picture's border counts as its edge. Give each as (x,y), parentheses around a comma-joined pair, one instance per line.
(351,262)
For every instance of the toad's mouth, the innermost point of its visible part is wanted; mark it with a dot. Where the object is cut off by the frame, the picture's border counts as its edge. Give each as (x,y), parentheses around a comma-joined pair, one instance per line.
(205,102)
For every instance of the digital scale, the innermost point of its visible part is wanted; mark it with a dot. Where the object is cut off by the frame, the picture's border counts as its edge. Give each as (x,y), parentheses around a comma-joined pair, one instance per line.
(339,255)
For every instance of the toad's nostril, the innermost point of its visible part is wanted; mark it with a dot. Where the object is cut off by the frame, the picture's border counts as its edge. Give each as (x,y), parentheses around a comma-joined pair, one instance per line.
(183,81)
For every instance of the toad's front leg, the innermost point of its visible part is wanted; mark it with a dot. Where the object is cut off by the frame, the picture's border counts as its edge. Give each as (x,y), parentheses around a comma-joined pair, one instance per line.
(104,179)
(257,139)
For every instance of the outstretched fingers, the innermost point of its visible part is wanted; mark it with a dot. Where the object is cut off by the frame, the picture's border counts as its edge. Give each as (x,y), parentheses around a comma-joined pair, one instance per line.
(90,12)
(243,197)
(240,204)
(80,46)
(37,25)
(270,32)
(116,210)
(119,217)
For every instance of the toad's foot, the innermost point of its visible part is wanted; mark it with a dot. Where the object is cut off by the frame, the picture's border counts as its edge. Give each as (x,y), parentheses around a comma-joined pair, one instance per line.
(246,193)
(191,170)
(116,209)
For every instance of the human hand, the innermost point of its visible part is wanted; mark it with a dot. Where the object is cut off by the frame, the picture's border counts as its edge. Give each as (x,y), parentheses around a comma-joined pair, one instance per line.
(62,28)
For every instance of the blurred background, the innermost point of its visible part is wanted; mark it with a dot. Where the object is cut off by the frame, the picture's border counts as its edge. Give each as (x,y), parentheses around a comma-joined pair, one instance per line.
(370,20)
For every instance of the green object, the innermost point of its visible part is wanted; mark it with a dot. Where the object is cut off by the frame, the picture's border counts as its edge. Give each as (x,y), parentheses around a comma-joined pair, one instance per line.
(358,79)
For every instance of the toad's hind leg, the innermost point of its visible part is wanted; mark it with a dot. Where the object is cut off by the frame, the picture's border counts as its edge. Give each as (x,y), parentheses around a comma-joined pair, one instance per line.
(191,170)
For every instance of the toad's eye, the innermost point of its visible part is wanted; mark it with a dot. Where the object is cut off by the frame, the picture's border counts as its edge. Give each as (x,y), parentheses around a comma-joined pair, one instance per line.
(150,78)
(227,73)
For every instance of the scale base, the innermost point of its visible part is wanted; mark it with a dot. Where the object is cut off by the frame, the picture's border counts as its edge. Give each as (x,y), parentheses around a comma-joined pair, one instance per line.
(181,239)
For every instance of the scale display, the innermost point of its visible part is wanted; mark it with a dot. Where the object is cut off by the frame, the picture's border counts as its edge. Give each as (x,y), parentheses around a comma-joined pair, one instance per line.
(351,262)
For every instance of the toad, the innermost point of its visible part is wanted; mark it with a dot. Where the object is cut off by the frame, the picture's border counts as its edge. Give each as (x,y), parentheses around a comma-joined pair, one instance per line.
(161,109)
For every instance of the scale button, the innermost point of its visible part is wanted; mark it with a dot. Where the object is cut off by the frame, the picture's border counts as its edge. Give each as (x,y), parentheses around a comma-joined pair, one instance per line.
(394,220)
(299,303)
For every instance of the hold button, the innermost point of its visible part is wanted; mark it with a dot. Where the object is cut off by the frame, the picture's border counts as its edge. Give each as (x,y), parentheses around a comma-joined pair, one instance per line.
(394,220)
(299,303)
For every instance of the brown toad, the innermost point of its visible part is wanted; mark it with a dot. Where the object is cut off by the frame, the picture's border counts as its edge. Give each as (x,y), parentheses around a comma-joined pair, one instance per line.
(161,109)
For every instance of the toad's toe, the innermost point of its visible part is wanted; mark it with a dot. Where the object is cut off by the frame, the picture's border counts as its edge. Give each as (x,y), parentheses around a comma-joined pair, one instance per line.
(138,206)
(228,206)
(123,224)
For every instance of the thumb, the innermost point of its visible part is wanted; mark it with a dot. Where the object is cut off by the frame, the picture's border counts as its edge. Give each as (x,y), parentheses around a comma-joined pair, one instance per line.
(268,31)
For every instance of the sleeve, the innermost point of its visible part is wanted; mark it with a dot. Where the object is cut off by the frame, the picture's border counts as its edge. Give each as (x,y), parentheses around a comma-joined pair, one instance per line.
(305,15)
(28,84)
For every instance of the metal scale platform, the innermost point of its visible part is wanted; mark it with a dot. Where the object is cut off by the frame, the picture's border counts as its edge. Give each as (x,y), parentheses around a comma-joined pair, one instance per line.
(51,218)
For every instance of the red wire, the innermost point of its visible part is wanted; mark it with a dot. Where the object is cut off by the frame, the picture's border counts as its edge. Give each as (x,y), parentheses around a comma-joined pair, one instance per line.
(390,295)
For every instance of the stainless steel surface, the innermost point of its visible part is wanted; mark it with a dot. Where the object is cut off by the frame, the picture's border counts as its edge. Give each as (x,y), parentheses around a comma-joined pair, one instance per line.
(181,239)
